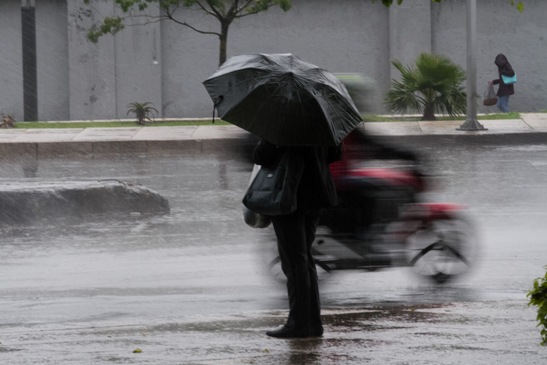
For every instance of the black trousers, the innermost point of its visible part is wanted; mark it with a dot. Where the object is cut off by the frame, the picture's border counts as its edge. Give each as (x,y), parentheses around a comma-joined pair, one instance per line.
(295,234)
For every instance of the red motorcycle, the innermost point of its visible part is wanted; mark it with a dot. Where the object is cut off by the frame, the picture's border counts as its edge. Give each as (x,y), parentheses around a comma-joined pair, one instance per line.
(382,222)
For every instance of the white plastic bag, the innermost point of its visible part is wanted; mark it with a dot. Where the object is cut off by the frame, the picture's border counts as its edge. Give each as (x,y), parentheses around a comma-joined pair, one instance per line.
(490,97)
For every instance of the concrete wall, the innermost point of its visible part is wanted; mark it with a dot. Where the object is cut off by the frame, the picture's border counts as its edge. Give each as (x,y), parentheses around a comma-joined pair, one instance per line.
(91,68)
(11,68)
(410,32)
(165,63)
(51,48)
(107,76)
(52,61)
(348,36)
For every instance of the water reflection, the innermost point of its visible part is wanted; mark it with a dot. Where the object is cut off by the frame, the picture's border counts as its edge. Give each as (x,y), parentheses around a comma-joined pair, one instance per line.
(204,193)
(306,352)
(30,169)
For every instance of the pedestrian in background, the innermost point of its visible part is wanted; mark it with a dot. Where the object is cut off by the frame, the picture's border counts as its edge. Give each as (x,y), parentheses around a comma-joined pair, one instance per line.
(505,89)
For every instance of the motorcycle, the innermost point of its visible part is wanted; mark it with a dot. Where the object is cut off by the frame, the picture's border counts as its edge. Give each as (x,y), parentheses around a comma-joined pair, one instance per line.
(382,222)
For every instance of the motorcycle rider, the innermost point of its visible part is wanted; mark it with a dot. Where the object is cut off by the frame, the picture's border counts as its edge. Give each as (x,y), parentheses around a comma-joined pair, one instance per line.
(357,209)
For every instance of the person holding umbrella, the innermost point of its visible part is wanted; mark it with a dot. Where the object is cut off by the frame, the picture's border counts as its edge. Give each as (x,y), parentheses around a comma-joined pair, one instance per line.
(295,233)
(303,112)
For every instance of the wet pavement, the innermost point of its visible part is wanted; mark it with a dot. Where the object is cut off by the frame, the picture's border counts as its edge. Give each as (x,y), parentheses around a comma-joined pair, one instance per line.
(192,287)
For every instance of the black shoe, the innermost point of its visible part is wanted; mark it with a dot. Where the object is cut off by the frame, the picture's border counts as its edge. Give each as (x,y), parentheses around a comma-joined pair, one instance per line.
(316,331)
(288,332)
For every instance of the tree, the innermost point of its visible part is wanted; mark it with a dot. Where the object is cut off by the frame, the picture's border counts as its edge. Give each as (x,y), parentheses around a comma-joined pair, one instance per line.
(433,85)
(225,11)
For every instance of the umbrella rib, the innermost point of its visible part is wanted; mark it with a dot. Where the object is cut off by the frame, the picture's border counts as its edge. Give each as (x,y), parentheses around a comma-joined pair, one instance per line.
(245,82)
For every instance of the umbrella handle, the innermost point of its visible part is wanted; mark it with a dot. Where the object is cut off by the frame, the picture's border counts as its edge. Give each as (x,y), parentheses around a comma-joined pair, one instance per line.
(220,98)
(214,107)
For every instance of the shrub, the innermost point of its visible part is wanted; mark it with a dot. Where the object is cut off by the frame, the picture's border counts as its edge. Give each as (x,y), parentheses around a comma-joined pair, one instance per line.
(434,84)
(538,297)
(7,121)
(143,112)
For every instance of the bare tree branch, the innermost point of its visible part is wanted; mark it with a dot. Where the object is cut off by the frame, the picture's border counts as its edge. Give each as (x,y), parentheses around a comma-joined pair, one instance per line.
(243,7)
(224,11)
(188,25)
(231,14)
(211,11)
(242,15)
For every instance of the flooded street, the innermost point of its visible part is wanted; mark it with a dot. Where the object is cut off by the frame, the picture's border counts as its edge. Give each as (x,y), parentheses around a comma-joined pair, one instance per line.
(192,287)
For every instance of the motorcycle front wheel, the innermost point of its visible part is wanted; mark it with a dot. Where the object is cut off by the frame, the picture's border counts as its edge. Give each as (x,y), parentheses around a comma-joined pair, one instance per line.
(442,250)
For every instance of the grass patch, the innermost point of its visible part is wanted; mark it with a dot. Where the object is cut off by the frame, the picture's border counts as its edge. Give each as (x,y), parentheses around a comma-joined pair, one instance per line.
(415,118)
(116,124)
(197,122)
(511,115)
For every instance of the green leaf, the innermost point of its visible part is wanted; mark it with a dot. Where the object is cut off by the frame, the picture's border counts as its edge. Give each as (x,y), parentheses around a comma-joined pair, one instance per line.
(538,297)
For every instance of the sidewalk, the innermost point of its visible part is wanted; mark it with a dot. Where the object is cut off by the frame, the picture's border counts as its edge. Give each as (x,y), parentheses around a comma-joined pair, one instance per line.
(529,123)
(193,137)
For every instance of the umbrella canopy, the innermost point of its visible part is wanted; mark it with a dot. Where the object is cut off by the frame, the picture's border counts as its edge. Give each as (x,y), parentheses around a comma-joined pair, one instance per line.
(283,99)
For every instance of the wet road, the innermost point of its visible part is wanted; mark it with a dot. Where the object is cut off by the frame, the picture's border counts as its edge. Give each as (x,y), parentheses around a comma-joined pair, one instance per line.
(192,288)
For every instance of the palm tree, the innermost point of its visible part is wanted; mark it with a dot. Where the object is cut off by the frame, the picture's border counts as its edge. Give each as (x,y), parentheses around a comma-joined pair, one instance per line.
(433,85)
(143,112)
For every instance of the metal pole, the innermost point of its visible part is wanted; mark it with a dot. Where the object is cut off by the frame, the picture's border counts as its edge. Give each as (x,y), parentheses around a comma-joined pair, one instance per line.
(471,124)
(30,83)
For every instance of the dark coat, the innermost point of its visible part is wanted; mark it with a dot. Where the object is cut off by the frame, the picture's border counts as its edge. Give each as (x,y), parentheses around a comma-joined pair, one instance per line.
(316,189)
(504,68)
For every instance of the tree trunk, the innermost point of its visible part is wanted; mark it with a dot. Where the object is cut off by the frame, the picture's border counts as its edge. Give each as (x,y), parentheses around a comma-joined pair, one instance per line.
(429,113)
(223,39)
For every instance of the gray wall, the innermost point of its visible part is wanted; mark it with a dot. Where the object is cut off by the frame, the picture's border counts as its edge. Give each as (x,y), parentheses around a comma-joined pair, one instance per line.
(52,66)
(80,80)
(52,63)
(107,76)
(11,71)
(332,35)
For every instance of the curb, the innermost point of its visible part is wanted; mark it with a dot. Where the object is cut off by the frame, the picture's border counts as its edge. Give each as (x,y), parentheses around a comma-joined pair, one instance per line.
(70,148)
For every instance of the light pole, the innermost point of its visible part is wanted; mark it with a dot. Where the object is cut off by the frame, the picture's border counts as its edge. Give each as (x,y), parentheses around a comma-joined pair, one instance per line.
(471,123)
(30,88)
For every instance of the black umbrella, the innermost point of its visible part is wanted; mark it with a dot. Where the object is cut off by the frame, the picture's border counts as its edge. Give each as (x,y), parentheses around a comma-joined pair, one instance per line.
(283,99)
